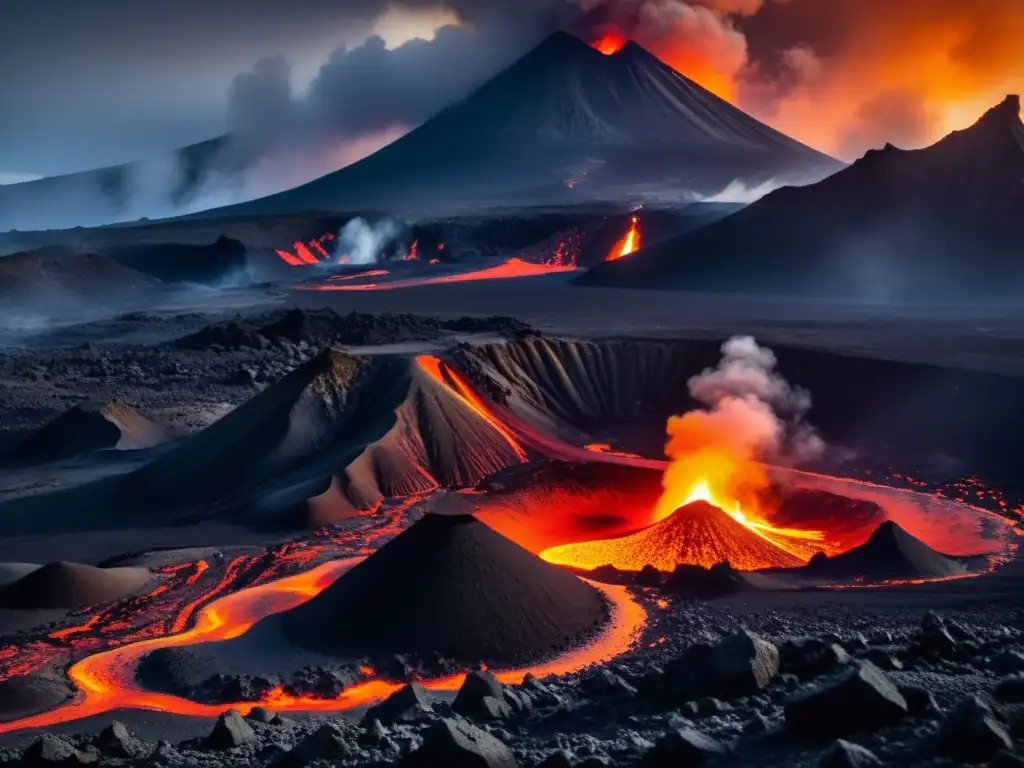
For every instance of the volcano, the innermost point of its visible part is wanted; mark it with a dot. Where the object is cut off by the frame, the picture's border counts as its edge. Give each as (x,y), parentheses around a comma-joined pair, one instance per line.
(890,553)
(565,123)
(939,221)
(695,534)
(340,430)
(453,587)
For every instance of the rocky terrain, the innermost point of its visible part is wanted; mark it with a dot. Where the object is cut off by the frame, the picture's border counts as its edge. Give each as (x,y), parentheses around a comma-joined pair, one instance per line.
(715,686)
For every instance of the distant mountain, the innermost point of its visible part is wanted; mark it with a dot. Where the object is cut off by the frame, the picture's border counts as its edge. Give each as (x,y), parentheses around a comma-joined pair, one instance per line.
(562,124)
(115,193)
(939,222)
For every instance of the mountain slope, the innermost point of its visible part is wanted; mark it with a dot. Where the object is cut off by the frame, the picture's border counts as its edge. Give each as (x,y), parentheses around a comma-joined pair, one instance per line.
(618,126)
(940,221)
(890,553)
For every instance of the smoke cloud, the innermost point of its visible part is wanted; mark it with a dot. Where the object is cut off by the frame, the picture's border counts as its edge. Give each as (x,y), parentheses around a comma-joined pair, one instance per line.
(751,415)
(360,242)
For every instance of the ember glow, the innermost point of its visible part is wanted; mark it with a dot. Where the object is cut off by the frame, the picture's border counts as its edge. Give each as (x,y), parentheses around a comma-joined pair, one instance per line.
(609,43)
(412,254)
(630,243)
(306,253)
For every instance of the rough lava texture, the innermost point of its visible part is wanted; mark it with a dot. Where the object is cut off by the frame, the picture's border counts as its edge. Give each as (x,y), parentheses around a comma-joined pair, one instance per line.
(453,587)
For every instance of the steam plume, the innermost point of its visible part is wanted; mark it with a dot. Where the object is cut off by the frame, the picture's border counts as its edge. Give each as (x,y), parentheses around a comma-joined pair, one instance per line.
(751,415)
(360,242)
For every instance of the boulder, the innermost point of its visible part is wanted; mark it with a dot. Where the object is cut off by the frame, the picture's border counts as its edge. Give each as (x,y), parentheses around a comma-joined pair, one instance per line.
(809,657)
(843,754)
(883,660)
(261,715)
(682,748)
(457,744)
(971,732)
(920,701)
(328,743)
(408,704)
(230,731)
(52,750)
(116,741)
(557,759)
(862,699)
(603,682)
(1010,690)
(1008,663)
(481,697)
(740,665)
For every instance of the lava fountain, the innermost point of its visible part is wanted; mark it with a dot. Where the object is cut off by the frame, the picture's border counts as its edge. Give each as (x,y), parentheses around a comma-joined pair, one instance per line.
(629,244)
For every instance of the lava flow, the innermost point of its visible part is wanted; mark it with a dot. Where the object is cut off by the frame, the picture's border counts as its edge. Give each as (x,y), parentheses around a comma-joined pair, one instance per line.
(449,378)
(630,242)
(510,269)
(107,680)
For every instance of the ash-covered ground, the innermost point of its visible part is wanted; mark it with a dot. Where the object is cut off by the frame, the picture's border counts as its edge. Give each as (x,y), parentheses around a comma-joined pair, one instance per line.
(923,675)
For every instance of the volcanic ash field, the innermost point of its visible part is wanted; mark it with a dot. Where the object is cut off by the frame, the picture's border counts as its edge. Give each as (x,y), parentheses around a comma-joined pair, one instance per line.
(531,551)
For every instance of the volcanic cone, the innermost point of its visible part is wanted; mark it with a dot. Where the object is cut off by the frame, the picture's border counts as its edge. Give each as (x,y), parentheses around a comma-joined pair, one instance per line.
(695,534)
(453,587)
(72,585)
(85,428)
(890,553)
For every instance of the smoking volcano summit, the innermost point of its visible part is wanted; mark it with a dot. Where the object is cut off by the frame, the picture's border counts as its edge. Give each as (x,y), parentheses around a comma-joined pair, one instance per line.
(566,123)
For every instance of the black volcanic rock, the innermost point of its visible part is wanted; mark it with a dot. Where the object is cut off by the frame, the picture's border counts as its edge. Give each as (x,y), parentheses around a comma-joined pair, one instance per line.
(940,221)
(210,264)
(890,553)
(863,699)
(564,112)
(453,587)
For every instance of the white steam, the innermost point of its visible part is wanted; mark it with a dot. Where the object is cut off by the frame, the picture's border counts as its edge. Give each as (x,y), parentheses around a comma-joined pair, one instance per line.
(360,242)
(738,191)
(747,393)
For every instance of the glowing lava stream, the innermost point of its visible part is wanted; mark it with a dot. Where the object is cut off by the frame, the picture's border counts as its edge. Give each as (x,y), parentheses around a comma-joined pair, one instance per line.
(107,680)
(630,243)
(436,369)
(510,269)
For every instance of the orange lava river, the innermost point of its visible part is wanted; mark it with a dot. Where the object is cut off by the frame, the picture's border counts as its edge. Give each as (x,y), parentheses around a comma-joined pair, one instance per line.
(510,269)
(106,680)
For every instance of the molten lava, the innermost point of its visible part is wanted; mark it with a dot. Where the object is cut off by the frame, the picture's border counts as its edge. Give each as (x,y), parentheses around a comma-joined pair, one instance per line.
(609,43)
(510,269)
(449,378)
(106,681)
(412,254)
(630,242)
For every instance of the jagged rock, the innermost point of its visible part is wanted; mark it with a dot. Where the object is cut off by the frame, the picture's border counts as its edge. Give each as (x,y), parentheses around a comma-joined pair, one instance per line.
(843,754)
(540,693)
(855,644)
(971,732)
(557,759)
(261,715)
(862,699)
(230,731)
(649,576)
(1010,689)
(883,660)
(1008,663)
(481,697)
(710,706)
(809,657)
(52,750)
(604,682)
(740,665)
(327,742)
(757,724)
(920,701)
(931,621)
(457,744)
(682,748)
(408,704)
(375,734)
(938,641)
(116,741)
(518,701)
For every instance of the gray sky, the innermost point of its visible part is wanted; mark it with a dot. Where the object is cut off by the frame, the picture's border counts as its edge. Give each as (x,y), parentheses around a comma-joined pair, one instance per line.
(86,84)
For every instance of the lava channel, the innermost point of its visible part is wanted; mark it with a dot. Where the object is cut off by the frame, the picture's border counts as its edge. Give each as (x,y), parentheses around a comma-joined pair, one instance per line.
(510,269)
(106,681)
